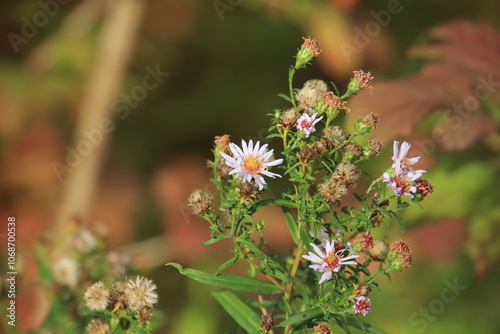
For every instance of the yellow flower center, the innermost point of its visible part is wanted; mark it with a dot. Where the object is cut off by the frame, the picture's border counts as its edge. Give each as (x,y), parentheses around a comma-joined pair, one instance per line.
(332,260)
(251,165)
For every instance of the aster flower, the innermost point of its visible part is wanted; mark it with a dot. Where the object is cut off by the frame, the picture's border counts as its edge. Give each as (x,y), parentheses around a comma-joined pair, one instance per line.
(362,305)
(306,123)
(140,292)
(403,180)
(250,161)
(331,260)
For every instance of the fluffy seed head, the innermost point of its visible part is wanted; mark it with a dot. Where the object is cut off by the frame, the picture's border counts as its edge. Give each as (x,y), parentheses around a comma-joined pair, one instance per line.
(97,297)
(200,202)
(305,155)
(378,251)
(332,190)
(98,326)
(289,118)
(316,84)
(347,173)
(334,136)
(140,292)
(66,271)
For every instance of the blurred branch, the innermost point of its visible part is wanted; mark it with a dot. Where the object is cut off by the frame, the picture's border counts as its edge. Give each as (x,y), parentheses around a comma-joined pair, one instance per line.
(149,249)
(113,53)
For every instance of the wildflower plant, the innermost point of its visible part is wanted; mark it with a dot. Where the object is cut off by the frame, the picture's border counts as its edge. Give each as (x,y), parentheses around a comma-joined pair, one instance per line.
(326,279)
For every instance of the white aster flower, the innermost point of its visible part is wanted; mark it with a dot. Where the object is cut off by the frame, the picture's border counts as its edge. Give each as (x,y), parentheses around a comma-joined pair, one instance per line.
(306,123)
(250,161)
(400,156)
(331,260)
(402,181)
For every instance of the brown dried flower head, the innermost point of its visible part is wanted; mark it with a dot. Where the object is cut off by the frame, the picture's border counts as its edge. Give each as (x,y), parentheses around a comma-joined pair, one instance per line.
(374,147)
(334,136)
(335,102)
(117,294)
(322,329)
(378,251)
(348,173)
(371,120)
(312,45)
(224,169)
(145,314)
(248,190)
(305,155)
(361,290)
(289,118)
(353,150)
(267,322)
(316,84)
(424,188)
(402,248)
(97,297)
(332,190)
(360,81)
(98,326)
(365,241)
(318,147)
(223,142)
(200,202)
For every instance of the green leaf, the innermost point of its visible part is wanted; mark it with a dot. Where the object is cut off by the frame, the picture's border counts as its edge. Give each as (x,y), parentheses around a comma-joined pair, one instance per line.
(228,263)
(301,317)
(239,283)
(285,97)
(218,237)
(239,311)
(400,221)
(267,202)
(291,223)
(44,269)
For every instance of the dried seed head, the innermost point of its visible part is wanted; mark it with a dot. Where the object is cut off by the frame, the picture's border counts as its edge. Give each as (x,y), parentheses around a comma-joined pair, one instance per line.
(248,190)
(305,155)
(267,322)
(140,292)
(378,251)
(316,84)
(334,136)
(348,173)
(374,147)
(224,169)
(97,297)
(424,188)
(361,290)
(312,45)
(332,190)
(289,118)
(98,326)
(145,314)
(200,202)
(223,142)
(322,329)
(403,250)
(334,102)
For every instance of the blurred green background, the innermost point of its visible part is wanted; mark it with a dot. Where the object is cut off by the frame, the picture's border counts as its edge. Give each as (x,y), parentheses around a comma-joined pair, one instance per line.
(226,62)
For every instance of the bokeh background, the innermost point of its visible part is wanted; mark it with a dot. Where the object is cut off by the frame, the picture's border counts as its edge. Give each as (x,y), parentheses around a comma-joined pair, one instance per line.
(218,66)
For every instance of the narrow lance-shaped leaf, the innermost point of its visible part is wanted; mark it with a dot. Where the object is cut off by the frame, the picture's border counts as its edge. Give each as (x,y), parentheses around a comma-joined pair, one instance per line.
(234,282)
(239,311)
(301,317)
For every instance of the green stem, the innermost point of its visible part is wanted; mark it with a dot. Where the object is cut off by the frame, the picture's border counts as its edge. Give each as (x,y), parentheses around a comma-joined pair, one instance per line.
(291,73)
